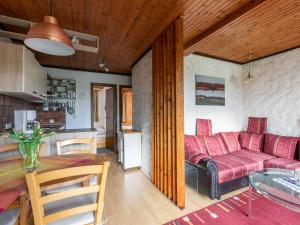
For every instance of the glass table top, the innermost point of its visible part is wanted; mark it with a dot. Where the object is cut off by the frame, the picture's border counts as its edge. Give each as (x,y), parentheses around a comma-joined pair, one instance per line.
(278,185)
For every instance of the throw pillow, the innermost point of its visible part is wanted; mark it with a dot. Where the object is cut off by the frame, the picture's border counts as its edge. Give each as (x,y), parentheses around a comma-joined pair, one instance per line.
(251,141)
(215,145)
(280,146)
(204,127)
(257,125)
(231,140)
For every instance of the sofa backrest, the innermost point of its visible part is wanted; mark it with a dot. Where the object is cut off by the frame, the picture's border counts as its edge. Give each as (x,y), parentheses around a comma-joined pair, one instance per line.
(215,145)
(250,141)
(297,153)
(280,146)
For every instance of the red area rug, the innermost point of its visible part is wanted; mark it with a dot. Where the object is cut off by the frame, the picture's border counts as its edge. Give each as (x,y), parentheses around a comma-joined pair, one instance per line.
(233,211)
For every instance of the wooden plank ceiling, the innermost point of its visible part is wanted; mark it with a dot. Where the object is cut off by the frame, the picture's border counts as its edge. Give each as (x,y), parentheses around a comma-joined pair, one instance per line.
(270,27)
(227,29)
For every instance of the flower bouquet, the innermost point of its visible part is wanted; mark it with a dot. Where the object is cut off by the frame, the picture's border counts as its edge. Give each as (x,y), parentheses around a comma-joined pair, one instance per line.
(29,144)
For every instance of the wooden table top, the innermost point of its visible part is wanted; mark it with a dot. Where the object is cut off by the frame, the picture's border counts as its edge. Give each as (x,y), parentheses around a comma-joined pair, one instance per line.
(12,179)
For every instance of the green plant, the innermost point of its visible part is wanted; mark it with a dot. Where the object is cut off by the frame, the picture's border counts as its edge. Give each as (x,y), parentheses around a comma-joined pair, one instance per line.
(34,138)
(29,146)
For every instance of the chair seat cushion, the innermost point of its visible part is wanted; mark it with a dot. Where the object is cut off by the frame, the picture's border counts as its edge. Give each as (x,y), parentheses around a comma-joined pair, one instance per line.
(9,217)
(67,203)
(282,163)
(62,188)
(92,181)
(232,166)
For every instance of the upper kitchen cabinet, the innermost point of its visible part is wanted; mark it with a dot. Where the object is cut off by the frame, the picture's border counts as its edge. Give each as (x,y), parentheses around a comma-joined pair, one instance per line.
(21,74)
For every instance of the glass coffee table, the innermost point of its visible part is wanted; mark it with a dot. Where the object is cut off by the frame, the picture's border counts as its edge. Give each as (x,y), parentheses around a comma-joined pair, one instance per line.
(278,185)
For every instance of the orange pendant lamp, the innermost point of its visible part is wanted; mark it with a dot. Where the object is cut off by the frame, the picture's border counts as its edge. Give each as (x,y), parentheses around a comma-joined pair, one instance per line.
(47,37)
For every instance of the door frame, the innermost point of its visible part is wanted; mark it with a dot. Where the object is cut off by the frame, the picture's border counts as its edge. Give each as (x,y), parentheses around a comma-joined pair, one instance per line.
(114,86)
(120,103)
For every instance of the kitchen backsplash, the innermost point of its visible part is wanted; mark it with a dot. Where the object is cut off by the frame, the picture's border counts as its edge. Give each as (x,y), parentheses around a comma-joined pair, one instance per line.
(9,104)
(52,119)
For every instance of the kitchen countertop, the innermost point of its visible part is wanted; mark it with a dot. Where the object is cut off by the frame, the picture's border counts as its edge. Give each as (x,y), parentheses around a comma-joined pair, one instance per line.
(130,131)
(75,130)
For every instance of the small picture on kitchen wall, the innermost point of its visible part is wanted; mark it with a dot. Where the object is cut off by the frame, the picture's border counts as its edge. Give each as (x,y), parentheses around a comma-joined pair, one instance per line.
(210,90)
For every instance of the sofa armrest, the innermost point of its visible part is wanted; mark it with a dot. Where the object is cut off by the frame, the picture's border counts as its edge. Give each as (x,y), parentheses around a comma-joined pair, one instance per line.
(212,169)
(197,157)
(203,162)
(208,178)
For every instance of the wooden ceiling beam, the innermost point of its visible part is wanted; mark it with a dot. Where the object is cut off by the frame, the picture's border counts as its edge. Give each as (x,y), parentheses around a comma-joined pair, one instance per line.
(228,19)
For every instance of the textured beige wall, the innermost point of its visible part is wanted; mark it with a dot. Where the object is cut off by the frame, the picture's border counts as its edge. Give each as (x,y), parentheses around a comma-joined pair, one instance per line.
(224,118)
(141,106)
(275,92)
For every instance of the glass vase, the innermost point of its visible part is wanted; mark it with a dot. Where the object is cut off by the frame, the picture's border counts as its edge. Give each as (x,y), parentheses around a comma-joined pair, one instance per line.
(29,152)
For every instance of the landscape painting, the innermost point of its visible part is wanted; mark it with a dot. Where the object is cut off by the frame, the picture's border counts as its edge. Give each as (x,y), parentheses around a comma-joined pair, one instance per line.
(210,90)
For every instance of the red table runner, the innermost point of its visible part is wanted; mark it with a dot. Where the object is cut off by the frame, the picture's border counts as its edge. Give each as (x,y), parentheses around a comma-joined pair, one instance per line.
(12,179)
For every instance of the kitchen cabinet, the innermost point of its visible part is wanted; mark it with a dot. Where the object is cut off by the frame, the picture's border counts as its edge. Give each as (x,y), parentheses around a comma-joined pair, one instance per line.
(21,74)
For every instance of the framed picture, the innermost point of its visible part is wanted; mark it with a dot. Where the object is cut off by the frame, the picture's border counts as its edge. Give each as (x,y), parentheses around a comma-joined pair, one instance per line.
(210,90)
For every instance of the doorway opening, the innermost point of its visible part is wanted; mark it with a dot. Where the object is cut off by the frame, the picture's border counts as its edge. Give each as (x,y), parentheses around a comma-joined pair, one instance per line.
(125,96)
(103,114)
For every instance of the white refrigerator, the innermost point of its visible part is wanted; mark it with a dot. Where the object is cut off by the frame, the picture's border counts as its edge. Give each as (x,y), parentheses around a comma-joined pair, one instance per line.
(130,149)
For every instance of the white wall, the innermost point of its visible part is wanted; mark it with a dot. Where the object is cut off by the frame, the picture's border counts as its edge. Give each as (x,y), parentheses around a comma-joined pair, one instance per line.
(83,79)
(275,92)
(224,118)
(101,97)
(142,107)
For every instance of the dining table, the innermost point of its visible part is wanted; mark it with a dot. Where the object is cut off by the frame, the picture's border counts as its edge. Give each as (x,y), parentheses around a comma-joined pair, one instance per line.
(13,187)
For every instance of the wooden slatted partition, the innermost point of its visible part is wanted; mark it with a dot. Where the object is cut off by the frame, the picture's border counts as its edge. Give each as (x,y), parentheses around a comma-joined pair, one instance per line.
(167,128)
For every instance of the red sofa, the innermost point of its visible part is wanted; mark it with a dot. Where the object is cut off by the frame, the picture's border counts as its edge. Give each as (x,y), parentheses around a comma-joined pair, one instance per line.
(220,163)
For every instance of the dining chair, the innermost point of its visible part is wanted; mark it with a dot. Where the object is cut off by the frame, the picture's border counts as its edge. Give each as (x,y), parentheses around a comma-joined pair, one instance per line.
(16,212)
(89,142)
(81,205)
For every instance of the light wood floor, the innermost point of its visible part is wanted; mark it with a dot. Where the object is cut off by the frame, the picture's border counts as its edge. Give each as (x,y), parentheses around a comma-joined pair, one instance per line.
(131,199)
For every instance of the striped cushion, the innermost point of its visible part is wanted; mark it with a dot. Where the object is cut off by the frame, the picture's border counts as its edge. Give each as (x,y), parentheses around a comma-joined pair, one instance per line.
(231,166)
(280,146)
(256,156)
(231,140)
(257,125)
(204,127)
(215,145)
(251,141)
(299,150)
(194,146)
(282,163)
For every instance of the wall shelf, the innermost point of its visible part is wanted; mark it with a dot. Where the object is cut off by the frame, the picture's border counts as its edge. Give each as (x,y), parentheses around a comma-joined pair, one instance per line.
(61,89)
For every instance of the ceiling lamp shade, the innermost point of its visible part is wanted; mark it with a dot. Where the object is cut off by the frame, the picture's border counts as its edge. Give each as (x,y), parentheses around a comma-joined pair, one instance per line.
(47,37)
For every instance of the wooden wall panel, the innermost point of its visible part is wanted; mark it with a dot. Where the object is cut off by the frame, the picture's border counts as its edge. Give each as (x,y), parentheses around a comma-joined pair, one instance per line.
(168,130)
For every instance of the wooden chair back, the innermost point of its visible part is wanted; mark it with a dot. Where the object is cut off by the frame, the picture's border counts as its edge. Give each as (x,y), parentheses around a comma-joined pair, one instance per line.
(90,142)
(34,182)
(13,147)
